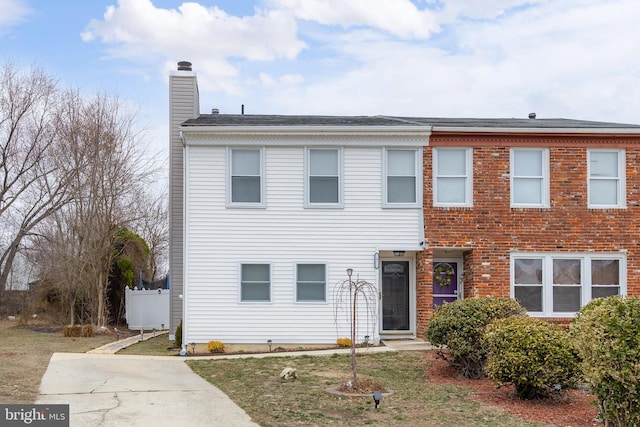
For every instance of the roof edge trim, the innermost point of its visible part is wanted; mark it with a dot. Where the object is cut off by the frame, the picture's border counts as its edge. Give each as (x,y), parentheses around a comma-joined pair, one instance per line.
(533,130)
(422,131)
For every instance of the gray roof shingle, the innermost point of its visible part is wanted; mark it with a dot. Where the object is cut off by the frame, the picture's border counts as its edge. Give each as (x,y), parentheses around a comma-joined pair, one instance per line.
(436,122)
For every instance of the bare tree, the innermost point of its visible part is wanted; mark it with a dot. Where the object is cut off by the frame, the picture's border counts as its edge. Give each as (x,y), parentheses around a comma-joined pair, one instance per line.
(72,174)
(32,184)
(102,134)
(152,225)
(103,147)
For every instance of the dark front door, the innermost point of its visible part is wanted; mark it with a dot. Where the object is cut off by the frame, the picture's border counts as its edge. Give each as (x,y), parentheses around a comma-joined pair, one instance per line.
(395,296)
(445,282)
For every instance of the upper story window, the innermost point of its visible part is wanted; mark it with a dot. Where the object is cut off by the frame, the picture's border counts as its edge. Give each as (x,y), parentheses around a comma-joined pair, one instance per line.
(530,177)
(561,284)
(255,282)
(606,178)
(323,177)
(402,172)
(246,177)
(452,177)
(311,283)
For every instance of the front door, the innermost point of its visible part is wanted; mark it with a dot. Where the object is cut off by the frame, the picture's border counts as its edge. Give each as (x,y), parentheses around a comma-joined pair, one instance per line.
(445,282)
(395,296)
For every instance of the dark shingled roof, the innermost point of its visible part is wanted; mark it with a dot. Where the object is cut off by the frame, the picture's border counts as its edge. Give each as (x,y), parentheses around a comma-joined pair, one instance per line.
(436,122)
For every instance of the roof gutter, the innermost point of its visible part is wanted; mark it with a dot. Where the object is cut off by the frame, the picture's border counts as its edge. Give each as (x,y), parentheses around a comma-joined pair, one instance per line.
(532,130)
(418,131)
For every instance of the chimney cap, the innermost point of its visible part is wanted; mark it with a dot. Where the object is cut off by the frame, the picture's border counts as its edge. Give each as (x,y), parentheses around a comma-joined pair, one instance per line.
(215,111)
(184,66)
(532,115)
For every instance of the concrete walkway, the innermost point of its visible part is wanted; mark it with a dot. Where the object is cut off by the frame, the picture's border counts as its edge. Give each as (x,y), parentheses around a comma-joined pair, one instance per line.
(109,390)
(122,390)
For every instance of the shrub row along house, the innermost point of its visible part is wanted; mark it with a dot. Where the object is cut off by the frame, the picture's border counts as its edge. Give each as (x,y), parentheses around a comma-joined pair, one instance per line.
(268,212)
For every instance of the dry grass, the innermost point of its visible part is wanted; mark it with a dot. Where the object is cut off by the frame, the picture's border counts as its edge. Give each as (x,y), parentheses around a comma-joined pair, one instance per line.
(24,355)
(255,385)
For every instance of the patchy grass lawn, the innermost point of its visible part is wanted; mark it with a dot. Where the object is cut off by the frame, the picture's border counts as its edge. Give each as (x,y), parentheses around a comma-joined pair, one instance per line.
(25,353)
(255,385)
(157,346)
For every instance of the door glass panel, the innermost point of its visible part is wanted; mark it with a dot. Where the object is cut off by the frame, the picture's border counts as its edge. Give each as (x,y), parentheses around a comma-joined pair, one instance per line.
(395,296)
(445,282)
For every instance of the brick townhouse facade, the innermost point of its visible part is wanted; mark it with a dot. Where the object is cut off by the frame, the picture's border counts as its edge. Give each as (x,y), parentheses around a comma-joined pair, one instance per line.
(549,218)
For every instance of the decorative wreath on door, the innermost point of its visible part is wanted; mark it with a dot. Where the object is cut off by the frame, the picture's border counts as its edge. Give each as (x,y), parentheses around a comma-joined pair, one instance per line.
(443,274)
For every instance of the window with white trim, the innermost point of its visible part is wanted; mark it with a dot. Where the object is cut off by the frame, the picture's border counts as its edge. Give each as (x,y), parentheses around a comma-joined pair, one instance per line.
(255,282)
(529,177)
(606,178)
(561,284)
(323,177)
(246,176)
(311,282)
(452,177)
(401,169)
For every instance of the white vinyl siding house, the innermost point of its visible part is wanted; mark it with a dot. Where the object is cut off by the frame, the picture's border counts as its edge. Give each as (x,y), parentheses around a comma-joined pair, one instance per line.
(306,252)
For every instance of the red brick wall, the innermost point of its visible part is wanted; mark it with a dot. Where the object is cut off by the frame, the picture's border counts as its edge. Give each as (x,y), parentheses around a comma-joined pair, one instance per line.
(492,228)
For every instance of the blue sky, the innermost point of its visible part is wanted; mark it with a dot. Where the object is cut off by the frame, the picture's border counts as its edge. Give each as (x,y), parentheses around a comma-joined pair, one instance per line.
(459,58)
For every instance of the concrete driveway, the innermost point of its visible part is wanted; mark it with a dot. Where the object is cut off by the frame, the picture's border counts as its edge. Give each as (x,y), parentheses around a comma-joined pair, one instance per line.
(119,390)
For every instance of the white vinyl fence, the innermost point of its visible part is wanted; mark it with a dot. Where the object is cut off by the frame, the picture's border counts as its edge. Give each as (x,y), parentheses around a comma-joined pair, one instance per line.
(147,309)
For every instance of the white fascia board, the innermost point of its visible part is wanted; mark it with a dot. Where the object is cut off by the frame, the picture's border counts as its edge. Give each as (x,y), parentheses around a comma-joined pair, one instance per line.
(411,135)
(532,130)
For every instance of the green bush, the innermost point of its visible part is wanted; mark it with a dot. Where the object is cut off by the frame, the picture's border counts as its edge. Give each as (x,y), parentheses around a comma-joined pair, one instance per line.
(606,334)
(178,341)
(459,326)
(533,355)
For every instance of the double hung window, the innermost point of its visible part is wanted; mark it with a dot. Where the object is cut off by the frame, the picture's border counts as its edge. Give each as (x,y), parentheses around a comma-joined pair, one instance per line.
(311,282)
(255,282)
(246,177)
(452,176)
(401,178)
(323,177)
(606,178)
(530,177)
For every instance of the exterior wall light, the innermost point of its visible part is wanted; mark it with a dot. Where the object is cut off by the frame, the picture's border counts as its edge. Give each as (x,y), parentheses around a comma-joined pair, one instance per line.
(398,253)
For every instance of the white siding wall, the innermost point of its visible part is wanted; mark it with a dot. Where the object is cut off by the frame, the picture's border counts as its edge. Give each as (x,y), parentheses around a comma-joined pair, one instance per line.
(219,238)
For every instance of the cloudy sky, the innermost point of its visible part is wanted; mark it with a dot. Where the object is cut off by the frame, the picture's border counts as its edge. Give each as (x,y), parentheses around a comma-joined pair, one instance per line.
(456,58)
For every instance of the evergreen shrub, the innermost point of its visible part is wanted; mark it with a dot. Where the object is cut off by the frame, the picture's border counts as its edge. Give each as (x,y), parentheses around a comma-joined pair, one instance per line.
(459,327)
(535,356)
(606,334)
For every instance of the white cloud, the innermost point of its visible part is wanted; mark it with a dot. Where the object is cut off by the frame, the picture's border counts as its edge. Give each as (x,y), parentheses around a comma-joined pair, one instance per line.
(13,13)
(400,18)
(139,31)
(574,58)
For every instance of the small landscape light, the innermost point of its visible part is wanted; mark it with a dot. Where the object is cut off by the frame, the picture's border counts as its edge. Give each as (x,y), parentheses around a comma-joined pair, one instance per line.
(377,397)
(141,334)
(117,334)
(269,342)
(193,348)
